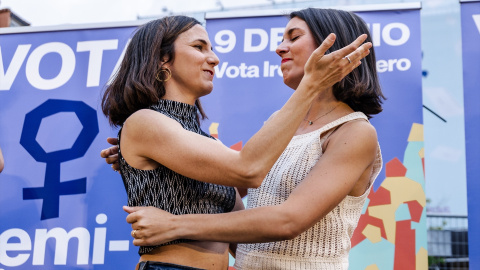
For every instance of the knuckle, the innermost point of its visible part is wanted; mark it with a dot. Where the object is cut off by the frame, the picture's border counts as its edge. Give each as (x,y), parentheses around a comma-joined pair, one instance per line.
(336,56)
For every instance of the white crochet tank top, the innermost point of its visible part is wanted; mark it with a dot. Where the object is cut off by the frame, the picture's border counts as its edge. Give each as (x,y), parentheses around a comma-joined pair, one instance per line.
(327,243)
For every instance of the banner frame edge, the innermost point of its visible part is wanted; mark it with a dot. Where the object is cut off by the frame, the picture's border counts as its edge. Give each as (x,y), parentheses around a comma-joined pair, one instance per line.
(69,27)
(280,12)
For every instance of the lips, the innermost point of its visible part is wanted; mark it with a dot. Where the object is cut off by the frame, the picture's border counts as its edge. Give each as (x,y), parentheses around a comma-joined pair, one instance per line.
(209,71)
(286,60)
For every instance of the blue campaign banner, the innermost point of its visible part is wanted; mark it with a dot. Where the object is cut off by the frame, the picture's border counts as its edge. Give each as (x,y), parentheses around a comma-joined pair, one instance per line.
(61,204)
(470,13)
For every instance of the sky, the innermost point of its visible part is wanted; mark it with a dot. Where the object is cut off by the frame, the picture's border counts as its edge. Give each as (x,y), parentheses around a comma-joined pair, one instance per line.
(58,12)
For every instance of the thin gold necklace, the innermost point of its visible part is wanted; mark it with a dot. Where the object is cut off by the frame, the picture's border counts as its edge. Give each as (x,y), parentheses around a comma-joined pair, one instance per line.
(310,122)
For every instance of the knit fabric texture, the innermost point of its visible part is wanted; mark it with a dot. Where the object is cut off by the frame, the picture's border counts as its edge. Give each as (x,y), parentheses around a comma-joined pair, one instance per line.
(324,246)
(169,190)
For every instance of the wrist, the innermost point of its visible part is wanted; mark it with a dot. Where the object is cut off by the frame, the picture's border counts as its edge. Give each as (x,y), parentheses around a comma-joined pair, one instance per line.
(185,226)
(311,86)
(176,230)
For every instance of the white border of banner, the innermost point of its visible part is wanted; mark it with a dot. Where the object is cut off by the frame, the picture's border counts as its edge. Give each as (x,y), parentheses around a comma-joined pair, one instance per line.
(465,1)
(68,27)
(279,12)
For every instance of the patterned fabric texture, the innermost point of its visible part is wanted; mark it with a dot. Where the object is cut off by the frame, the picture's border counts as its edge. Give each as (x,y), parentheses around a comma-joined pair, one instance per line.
(326,244)
(168,190)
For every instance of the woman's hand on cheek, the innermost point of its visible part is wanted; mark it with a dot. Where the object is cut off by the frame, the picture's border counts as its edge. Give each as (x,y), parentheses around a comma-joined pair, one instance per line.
(151,226)
(326,70)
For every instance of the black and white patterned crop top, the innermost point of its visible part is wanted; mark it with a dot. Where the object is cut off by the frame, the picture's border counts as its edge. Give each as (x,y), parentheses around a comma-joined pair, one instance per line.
(168,190)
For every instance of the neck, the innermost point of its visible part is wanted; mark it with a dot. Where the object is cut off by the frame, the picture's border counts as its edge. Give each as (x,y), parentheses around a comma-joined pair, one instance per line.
(179,96)
(324,109)
(322,104)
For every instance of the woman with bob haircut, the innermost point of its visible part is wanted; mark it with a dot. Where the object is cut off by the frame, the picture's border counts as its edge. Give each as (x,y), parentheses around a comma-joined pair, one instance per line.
(168,163)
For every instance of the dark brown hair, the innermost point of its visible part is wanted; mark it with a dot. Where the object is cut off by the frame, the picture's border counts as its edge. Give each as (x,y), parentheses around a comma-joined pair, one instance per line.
(360,89)
(135,85)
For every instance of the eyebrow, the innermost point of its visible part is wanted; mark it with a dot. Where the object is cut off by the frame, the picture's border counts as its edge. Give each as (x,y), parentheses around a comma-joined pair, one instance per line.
(289,32)
(203,41)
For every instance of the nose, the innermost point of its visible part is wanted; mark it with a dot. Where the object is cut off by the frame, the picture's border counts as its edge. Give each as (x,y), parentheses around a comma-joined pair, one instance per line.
(282,48)
(212,59)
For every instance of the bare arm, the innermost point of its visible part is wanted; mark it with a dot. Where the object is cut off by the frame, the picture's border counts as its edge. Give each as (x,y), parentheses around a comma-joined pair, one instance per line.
(165,141)
(238,207)
(346,163)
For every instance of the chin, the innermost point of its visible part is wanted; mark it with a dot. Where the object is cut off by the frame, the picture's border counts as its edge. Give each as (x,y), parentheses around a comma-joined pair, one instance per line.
(290,84)
(291,81)
(206,92)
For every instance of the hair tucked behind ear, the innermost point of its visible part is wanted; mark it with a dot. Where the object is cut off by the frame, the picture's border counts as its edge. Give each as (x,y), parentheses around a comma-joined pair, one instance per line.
(135,86)
(360,89)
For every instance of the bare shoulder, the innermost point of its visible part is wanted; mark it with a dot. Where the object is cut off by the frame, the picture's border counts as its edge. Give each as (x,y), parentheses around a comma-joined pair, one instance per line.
(143,133)
(144,115)
(360,128)
(148,117)
(146,121)
(357,134)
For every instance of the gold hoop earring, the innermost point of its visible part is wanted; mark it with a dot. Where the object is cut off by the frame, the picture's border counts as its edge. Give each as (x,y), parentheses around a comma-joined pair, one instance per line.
(169,74)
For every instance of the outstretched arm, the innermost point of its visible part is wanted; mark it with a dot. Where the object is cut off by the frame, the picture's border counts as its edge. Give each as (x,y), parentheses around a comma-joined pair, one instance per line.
(344,169)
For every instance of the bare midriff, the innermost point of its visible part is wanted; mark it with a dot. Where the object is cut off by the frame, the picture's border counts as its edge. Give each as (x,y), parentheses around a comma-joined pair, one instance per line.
(205,255)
